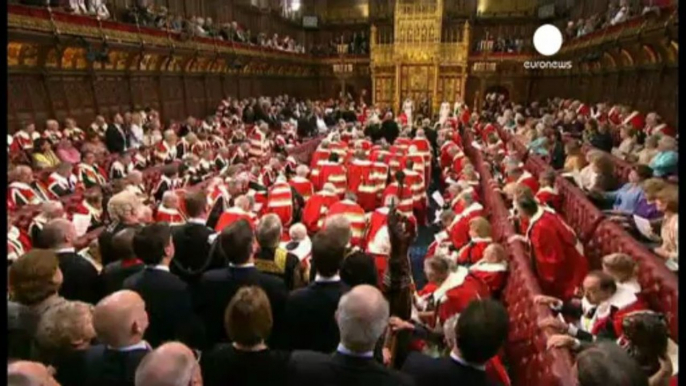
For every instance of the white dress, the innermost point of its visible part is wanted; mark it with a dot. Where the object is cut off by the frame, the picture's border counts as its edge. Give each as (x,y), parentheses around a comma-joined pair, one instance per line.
(444,113)
(408,106)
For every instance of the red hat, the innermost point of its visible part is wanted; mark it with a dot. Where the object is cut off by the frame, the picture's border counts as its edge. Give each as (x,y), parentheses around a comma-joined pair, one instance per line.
(635,119)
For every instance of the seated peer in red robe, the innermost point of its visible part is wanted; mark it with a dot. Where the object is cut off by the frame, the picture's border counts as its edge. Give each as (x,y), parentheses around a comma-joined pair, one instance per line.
(557,254)
(317,206)
(479,240)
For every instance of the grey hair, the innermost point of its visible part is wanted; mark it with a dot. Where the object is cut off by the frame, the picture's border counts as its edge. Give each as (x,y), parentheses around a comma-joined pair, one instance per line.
(269,230)
(297,232)
(164,369)
(302,170)
(121,204)
(61,325)
(50,207)
(362,317)
(341,223)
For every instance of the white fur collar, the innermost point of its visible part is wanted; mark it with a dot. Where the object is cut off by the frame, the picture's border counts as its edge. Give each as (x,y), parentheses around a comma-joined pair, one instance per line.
(456,278)
(622,298)
(483,266)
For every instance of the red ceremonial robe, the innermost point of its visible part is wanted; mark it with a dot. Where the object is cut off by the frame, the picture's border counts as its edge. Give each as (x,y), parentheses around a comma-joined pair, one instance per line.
(332,172)
(355,214)
(280,202)
(405,197)
(459,229)
(550,197)
(377,241)
(171,216)
(556,255)
(21,194)
(303,186)
(18,243)
(493,274)
(317,156)
(527,179)
(316,208)
(232,215)
(473,252)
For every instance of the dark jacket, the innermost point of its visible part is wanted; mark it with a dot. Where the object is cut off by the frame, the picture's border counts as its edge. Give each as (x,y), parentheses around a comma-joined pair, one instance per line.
(442,372)
(217,287)
(169,306)
(310,320)
(114,274)
(192,251)
(115,140)
(105,241)
(81,279)
(390,131)
(107,367)
(227,366)
(313,369)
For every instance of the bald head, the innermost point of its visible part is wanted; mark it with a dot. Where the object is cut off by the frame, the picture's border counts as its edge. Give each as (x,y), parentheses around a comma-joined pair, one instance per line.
(362,316)
(25,373)
(120,319)
(172,364)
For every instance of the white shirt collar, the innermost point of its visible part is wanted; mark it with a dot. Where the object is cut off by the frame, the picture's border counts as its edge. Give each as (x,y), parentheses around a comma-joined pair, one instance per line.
(142,345)
(341,349)
(333,279)
(66,250)
(199,221)
(461,361)
(160,267)
(246,265)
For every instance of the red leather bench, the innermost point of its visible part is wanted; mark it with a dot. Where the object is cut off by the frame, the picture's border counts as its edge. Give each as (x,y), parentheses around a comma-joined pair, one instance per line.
(659,284)
(531,363)
(621,168)
(579,212)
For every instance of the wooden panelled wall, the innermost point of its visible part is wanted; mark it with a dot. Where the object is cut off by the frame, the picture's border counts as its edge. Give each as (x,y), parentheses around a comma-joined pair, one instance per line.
(37,97)
(645,90)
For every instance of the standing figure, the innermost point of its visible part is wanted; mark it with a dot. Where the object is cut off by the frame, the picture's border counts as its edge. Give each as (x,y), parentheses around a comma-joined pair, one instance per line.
(408,107)
(444,112)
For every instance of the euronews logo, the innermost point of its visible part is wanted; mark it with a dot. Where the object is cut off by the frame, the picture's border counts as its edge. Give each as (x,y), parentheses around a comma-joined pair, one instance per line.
(547,42)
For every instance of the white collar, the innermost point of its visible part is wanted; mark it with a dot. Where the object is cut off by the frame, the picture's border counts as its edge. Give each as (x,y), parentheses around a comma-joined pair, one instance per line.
(91,209)
(524,176)
(537,216)
(13,233)
(66,250)
(547,189)
(160,267)
(246,265)
(59,178)
(631,285)
(455,279)
(483,266)
(198,221)
(481,240)
(461,361)
(475,206)
(343,350)
(165,210)
(299,179)
(20,185)
(622,298)
(321,279)
(142,345)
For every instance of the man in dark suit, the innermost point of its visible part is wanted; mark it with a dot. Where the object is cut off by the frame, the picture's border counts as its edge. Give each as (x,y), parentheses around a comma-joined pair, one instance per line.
(480,333)
(120,321)
(362,316)
(81,280)
(389,128)
(192,241)
(217,287)
(114,274)
(310,312)
(167,297)
(115,136)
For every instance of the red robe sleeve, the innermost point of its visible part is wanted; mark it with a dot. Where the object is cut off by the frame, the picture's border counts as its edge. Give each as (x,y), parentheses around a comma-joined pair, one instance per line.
(459,233)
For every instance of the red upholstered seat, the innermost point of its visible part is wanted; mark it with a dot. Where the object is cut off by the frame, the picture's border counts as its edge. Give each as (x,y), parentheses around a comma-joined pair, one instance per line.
(579,212)
(660,285)
(535,165)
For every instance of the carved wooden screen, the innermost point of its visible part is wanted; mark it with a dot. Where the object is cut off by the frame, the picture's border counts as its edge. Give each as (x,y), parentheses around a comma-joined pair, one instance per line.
(416,82)
(384,91)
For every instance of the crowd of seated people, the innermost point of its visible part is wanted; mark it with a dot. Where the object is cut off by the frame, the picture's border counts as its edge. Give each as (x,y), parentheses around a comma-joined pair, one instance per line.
(617,12)
(242,264)
(158,16)
(614,307)
(502,44)
(356,44)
